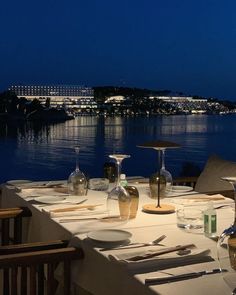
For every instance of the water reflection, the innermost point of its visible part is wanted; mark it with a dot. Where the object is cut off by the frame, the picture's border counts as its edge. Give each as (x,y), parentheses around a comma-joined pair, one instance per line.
(36,151)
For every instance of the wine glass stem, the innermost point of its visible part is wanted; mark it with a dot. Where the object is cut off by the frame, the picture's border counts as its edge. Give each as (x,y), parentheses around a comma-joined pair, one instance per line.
(234,187)
(118,165)
(159,176)
(77,159)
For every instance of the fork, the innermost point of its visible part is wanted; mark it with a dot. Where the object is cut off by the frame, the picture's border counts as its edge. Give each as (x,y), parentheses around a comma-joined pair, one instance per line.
(63,202)
(137,245)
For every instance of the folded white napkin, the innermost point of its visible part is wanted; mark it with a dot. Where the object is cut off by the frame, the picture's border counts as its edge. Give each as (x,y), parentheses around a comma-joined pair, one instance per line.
(81,213)
(163,261)
(35,184)
(198,199)
(34,193)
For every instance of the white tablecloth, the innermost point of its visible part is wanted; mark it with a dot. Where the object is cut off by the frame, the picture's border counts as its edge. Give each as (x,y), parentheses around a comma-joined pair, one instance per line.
(97,274)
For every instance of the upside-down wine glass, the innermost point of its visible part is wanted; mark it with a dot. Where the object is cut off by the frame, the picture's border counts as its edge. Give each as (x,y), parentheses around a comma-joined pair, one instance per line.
(77,182)
(118,200)
(164,172)
(226,247)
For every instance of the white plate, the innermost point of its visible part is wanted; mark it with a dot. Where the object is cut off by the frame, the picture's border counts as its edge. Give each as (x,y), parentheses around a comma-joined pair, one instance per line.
(109,235)
(49,199)
(181,189)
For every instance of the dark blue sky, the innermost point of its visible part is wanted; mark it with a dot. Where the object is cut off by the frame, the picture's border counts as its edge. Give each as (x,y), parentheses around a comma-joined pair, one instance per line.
(181,45)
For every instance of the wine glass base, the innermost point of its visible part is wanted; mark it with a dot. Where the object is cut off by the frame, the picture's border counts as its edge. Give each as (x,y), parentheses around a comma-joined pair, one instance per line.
(163,209)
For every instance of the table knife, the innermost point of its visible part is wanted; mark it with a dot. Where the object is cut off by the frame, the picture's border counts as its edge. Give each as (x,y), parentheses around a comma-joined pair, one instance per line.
(74,208)
(161,252)
(185,276)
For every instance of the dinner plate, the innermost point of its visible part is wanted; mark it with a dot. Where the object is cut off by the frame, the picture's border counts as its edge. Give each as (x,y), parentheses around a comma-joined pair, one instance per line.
(181,189)
(109,235)
(49,199)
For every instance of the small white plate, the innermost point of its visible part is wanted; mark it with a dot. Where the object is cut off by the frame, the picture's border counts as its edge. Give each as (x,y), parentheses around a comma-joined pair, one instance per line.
(181,189)
(109,235)
(49,199)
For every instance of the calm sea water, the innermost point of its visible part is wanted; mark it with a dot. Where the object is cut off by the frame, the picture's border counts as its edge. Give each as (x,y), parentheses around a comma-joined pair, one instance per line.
(30,151)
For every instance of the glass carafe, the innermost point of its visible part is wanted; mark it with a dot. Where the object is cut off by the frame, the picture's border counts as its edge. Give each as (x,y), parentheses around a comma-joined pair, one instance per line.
(77,181)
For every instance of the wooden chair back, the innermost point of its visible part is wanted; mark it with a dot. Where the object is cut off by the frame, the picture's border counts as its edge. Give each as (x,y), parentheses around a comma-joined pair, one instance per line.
(32,267)
(11,220)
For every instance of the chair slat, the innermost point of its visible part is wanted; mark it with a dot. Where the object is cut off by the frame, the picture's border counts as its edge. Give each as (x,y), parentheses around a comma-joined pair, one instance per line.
(23,280)
(14,280)
(67,276)
(32,280)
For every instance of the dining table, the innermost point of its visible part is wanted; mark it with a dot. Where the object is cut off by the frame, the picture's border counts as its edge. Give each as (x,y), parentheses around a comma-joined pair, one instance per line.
(110,264)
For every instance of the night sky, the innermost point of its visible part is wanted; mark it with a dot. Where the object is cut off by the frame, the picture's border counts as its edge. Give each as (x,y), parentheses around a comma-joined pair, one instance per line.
(185,46)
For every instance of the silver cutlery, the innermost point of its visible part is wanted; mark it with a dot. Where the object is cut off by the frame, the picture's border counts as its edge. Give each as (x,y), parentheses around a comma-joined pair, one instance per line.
(63,202)
(49,184)
(161,252)
(65,220)
(75,208)
(33,197)
(137,245)
(223,206)
(185,276)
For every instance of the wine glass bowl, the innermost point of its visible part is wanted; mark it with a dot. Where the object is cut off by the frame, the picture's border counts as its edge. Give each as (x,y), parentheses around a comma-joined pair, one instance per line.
(118,200)
(118,203)
(226,252)
(226,248)
(165,173)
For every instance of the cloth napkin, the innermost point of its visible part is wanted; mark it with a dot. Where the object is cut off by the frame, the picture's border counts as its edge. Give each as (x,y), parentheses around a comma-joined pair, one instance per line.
(44,184)
(80,213)
(161,262)
(198,199)
(33,193)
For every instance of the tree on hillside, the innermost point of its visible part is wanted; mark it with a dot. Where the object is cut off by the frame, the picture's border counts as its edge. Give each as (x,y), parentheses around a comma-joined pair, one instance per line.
(8,102)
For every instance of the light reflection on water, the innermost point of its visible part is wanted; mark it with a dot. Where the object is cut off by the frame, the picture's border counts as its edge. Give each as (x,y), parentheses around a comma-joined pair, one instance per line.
(47,152)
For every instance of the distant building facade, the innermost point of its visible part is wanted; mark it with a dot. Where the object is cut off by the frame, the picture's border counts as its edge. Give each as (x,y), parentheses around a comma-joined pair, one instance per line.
(68,96)
(185,103)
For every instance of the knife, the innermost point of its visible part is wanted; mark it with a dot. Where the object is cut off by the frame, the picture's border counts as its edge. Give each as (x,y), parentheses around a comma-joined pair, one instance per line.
(161,252)
(185,276)
(65,220)
(74,208)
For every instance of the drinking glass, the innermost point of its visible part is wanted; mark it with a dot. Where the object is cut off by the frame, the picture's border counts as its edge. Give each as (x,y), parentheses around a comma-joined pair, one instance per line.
(118,200)
(190,218)
(77,182)
(226,248)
